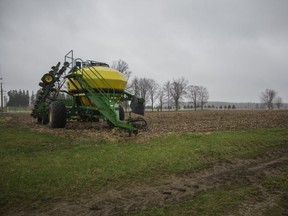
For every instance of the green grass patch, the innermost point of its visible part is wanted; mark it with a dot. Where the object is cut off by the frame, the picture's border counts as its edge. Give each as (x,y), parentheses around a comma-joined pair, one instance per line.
(40,167)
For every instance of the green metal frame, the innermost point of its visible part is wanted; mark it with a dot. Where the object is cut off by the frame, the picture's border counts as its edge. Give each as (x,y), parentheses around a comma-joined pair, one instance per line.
(105,103)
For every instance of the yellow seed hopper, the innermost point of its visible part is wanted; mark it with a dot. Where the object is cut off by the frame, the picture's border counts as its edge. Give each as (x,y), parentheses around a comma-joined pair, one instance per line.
(99,77)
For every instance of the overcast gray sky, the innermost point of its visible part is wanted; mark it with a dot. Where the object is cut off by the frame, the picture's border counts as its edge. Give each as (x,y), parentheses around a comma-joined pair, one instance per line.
(235,48)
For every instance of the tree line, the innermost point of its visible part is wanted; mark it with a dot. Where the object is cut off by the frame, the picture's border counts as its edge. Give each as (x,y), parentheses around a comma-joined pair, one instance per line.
(18,98)
(22,98)
(171,92)
(270,98)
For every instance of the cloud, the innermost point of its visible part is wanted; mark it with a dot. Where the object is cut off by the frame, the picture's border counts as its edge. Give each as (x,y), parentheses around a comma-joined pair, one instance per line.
(236,48)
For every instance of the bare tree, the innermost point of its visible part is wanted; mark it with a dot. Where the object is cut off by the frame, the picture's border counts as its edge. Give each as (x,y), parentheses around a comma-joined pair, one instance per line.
(161,95)
(153,87)
(278,102)
(178,89)
(203,96)
(193,94)
(267,97)
(144,88)
(166,89)
(144,85)
(122,67)
(134,87)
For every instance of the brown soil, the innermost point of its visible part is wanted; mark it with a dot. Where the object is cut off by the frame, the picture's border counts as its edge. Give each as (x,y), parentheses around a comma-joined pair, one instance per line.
(164,123)
(175,188)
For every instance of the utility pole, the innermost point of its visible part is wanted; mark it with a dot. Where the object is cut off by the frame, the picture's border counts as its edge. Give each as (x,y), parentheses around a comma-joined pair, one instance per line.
(1,89)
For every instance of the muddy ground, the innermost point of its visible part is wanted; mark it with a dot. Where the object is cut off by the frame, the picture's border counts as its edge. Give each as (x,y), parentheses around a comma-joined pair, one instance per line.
(164,123)
(175,188)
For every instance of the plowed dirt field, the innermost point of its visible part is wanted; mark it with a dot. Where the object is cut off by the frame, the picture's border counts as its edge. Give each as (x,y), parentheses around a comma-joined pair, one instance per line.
(164,123)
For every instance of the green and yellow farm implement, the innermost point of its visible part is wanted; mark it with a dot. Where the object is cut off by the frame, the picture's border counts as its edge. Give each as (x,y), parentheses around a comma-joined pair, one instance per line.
(93,91)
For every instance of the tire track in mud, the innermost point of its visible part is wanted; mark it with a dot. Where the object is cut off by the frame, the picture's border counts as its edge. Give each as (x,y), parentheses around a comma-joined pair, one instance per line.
(175,188)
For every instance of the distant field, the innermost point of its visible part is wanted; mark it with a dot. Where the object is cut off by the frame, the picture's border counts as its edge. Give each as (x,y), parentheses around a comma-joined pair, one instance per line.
(188,163)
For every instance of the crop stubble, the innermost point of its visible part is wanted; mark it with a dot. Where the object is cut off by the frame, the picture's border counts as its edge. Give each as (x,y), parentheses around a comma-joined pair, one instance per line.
(164,123)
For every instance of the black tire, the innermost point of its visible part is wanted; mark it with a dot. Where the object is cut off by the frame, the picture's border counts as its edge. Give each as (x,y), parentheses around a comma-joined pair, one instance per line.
(96,120)
(110,124)
(57,115)
(39,120)
(121,113)
(41,84)
(45,119)
(47,78)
